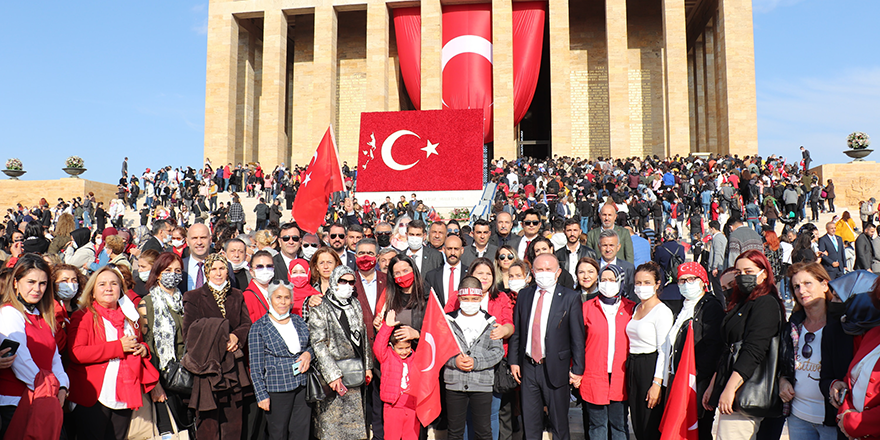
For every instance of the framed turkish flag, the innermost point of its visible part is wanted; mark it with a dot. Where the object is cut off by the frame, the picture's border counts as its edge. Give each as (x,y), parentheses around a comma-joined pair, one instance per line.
(431,150)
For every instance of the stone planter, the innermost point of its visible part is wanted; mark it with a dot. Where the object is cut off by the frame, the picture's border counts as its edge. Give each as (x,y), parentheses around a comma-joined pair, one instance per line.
(14,174)
(858,155)
(74,172)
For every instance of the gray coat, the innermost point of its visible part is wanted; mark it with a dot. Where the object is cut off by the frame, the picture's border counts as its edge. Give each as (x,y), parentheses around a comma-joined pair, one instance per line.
(487,352)
(875,263)
(716,252)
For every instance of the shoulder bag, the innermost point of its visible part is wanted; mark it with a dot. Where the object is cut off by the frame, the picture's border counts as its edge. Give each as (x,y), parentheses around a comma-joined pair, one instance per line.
(174,377)
(353,371)
(504,381)
(315,391)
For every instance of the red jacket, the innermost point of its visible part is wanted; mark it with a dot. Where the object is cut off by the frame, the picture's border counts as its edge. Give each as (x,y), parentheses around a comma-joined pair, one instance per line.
(392,366)
(256,302)
(89,354)
(595,387)
(865,424)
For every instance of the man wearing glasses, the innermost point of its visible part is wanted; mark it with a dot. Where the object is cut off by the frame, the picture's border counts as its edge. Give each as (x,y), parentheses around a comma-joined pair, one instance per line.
(531,224)
(337,239)
(290,239)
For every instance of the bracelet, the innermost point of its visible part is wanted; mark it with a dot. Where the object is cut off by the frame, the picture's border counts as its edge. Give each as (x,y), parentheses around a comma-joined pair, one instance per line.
(658,382)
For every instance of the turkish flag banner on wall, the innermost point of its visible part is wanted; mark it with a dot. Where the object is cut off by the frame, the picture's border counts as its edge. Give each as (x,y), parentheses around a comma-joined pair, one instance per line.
(437,345)
(322,178)
(432,150)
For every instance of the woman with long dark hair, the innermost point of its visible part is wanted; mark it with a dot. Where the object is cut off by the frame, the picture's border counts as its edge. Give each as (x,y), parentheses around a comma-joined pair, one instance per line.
(754,317)
(406,296)
(802,249)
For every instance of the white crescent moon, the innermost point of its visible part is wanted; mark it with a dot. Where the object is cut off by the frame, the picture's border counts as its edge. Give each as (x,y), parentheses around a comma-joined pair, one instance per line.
(466,44)
(386,150)
(429,339)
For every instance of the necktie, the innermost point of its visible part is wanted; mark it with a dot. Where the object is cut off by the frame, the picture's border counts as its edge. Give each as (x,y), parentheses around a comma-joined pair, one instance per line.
(451,284)
(200,278)
(536,354)
(834,242)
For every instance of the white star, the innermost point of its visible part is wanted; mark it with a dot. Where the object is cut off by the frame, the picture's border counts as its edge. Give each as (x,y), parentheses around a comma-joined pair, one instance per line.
(430,149)
(308,178)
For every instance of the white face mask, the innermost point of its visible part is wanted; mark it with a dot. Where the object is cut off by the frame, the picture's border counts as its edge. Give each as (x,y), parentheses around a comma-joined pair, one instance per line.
(644,292)
(609,289)
(177,243)
(277,316)
(308,252)
(264,275)
(218,286)
(469,308)
(691,291)
(414,243)
(545,280)
(516,285)
(239,266)
(344,291)
(144,276)
(66,291)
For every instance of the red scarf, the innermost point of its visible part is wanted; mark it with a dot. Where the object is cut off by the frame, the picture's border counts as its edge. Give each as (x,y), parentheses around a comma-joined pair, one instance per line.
(128,380)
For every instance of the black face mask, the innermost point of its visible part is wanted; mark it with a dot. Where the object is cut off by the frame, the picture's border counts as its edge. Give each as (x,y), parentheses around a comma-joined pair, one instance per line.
(384,240)
(747,283)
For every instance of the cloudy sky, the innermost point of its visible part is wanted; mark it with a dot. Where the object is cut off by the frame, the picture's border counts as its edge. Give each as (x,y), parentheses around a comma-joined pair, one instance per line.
(104,79)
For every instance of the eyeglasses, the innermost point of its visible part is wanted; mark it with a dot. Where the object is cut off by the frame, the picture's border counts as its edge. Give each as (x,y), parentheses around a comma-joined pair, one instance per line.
(308,245)
(344,281)
(295,238)
(264,266)
(383,234)
(531,222)
(807,351)
(454,231)
(337,235)
(686,280)
(503,257)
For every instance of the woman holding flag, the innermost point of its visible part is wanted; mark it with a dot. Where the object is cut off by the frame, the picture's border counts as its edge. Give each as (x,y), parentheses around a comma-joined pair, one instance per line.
(705,313)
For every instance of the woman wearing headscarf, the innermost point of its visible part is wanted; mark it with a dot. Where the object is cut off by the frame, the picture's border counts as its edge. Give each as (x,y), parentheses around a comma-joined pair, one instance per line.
(754,317)
(603,387)
(162,326)
(27,317)
(215,328)
(705,312)
(81,250)
(343,358)
(299,276)
(109,363)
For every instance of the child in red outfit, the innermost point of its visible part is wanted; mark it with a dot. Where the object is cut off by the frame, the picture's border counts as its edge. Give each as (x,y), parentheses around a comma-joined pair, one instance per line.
(401,422)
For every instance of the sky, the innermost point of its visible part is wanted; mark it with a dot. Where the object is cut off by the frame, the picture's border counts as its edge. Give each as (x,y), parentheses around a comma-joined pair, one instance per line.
(105,79)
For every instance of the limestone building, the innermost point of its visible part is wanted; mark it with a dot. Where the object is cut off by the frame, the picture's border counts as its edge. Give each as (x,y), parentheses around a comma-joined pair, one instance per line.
(618,77)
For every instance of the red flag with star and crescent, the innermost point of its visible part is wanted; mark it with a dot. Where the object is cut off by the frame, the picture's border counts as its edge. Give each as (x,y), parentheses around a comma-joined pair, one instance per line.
(680,416)
(321,179)
(437,344)
(431,150)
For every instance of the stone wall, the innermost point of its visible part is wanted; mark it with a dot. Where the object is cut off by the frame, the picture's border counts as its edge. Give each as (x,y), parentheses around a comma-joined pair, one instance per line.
(29,192)
(853,182)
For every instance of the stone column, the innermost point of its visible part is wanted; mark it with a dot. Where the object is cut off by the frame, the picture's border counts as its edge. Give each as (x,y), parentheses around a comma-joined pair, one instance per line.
(737,71)
(432,46)
(692,101)
(675,77)
(502,80)
(711,105)
(700,88)
(273,139)
(618,78)
(221,87)
(323,105)
(377,56)
(560,78)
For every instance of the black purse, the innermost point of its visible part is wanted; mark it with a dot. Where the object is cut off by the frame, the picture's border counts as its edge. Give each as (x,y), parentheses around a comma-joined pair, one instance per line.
(504,381)
(759,396)
(177,379)
(314,386)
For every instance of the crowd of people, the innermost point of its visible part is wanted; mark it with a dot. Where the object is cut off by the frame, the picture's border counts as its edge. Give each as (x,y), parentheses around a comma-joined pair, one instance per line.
(587,283)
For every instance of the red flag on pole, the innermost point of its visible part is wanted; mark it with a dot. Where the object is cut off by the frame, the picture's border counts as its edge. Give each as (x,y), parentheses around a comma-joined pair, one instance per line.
(322,178)
(680,416)
(437,344)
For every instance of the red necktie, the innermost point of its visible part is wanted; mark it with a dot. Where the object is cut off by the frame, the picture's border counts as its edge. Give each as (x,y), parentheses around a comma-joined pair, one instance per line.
(535,353)
(451,288)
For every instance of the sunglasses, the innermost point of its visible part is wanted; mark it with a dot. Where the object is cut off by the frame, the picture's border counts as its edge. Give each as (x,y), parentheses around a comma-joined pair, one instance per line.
(308,245)
(383,234)
(368,235)
(264,266)
(337,235)
(295,238)
(344,281)
(503,257)
(531,222)
(454,231)
(807,350)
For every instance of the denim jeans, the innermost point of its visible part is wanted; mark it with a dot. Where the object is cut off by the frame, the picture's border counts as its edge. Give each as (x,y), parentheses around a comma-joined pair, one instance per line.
(803,430)
(756,225)
(607,418)
(87,220)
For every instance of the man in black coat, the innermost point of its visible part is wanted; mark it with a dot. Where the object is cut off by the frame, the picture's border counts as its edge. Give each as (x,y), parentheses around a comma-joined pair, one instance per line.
(864,248)
(805,154)
(546,363)
(831,246)
(161,229)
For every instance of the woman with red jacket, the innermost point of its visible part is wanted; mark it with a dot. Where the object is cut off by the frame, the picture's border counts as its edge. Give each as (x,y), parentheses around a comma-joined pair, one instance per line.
(109,363)
(603,387)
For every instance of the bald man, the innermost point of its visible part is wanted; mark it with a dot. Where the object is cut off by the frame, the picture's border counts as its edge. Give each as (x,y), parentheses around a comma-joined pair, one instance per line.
(198,241)
(607,216)
(546,350)
(502,235)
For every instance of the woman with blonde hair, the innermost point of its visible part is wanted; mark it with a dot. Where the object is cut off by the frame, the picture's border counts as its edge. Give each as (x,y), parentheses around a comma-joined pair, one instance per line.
(61,235)
(265,241)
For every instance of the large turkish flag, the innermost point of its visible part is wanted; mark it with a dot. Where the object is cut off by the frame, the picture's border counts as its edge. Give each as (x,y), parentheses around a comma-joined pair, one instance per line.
(467,60)
(432,150)
(322,178)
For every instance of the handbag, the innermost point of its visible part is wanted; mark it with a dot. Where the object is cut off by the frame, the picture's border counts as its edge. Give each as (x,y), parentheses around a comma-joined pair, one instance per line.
(143,422)
(353,372)
(504,381)
(176,434)
(177,379)
(314,386)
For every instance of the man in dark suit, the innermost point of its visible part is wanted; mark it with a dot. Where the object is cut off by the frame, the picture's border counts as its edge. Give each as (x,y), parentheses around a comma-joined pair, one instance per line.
(236,256)
(573,250)
(290,239)
(805,154)
(425,257)
(609,245)
(336,240)
(444,280)
(865,248)
(160,232)
(832,249)
(198,241)
(547,349)
(481,246)
(502,235)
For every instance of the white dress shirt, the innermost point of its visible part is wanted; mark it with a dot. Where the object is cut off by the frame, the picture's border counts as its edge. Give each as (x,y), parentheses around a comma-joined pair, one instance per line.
(417,256)
(192,273)
(546,302)
(602,263)
(523,245)
(108,387)
(610,316)
(572,261)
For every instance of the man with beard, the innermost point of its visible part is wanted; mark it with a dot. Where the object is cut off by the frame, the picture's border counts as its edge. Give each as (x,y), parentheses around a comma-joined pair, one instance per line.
(573,251)
(336,239)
